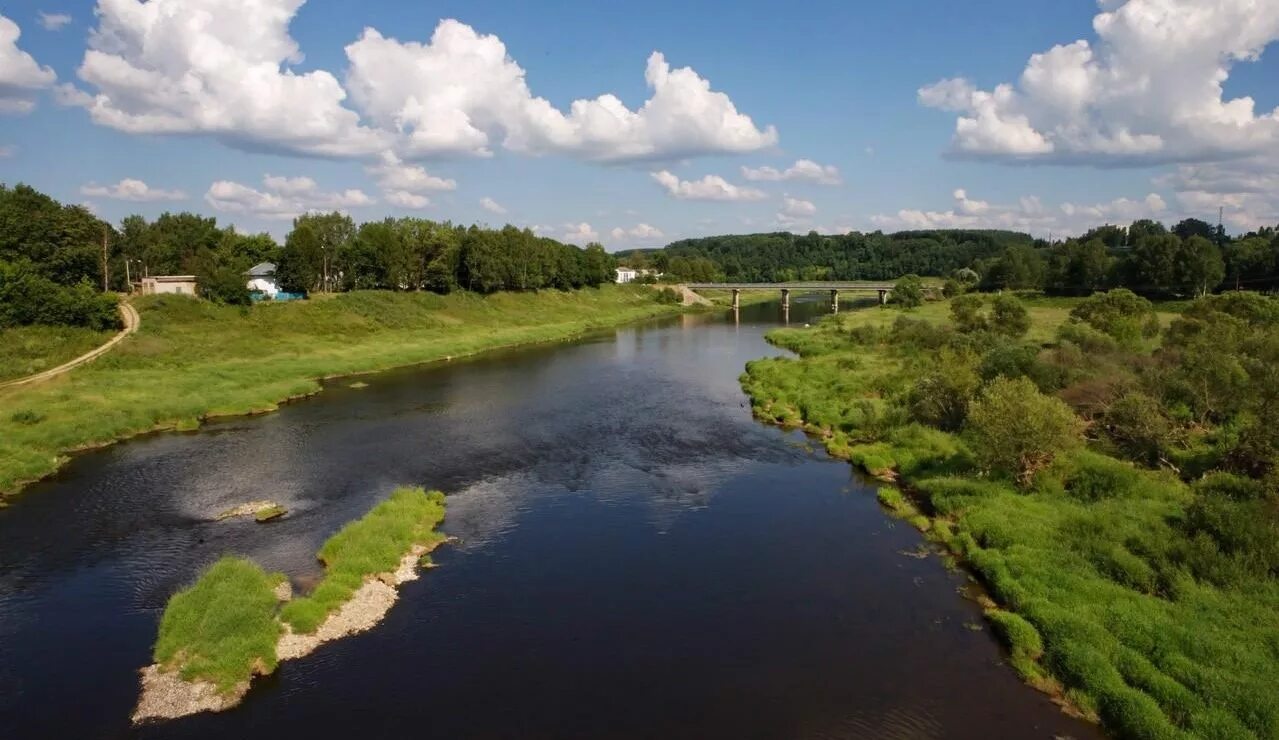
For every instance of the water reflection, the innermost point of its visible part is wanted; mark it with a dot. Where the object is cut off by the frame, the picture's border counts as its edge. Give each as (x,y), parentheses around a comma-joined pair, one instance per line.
(638,558)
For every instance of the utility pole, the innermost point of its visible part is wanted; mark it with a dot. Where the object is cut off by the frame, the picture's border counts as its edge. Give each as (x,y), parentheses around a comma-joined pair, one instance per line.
(106,276)
(128,282)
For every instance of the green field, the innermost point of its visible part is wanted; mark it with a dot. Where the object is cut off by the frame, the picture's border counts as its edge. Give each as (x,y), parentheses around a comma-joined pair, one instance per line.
(192,360)
(27,350)
(1145,597)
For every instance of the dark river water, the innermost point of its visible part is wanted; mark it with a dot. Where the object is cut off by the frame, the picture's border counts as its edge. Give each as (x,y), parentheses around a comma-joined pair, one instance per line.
(638,559)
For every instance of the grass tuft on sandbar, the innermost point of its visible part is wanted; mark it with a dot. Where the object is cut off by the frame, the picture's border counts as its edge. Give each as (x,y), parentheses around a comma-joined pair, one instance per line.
(223,628)
(368,546)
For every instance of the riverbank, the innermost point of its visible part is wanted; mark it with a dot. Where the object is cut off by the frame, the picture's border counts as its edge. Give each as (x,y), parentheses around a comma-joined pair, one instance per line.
(34,349)
(237,621)
(1119,589)
(192,360)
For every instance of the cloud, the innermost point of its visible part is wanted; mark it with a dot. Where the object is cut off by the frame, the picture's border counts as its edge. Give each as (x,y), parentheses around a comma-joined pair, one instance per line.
(796,208)
(462,93)
(1029,214)
(215,67)
(803,169)
(131,190)
(53,21)
(393,174)
(20,75)
(710,187)
(1148,89)
(638,232)
(492,206)
(405,199)
(580,233)
(1246,190)
(284,198)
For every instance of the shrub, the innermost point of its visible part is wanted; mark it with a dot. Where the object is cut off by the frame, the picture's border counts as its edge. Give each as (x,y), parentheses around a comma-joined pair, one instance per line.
(1120,314)
(669,297)
(1095,477)
(941,398)
(1008,316)
(908,292)
(965,313)
(1137,426)
(26,297)
(1018,431)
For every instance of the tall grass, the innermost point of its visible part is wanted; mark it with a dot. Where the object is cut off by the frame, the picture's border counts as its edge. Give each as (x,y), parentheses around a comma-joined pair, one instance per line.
(27,350)
(192,360)
(223,628)
(368,546)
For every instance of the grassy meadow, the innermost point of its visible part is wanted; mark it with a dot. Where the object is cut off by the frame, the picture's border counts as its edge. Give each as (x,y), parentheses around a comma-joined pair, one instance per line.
(225,627)
(1143,594)
(33,349)
(192,360)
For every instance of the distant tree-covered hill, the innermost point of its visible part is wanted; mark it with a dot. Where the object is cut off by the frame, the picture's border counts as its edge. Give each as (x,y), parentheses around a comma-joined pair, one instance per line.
(854,256)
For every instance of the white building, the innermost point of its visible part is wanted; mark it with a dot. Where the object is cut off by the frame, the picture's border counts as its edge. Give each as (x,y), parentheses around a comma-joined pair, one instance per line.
(626,274)
(262,279)
(179,284)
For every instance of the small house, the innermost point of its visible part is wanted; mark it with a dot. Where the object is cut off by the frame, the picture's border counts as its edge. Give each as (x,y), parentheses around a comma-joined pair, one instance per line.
(262,279)
(626,274)
(159,284)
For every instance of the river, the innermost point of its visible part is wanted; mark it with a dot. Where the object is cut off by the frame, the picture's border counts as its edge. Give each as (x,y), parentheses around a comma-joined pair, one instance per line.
(638,558)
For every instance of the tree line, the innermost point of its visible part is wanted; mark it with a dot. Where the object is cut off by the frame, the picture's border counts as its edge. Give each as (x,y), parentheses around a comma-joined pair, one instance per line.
(59,262)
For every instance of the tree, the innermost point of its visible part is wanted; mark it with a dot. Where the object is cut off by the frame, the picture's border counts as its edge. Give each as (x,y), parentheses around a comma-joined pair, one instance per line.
(1153,263)
(301,262)
(908,292)
(1198,267)
(333,234)
(1194,227)
(1008,316)
(1249,262)
(1020,267)
(1017,431)
(941,398)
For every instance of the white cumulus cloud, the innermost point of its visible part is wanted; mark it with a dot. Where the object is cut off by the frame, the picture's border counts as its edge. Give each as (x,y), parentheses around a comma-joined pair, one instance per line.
(579,233)
(216,67)
(131,190)
(283,198)
(710,187)
(1029,214)
(803,169)
(492,206)
(393,174)
(53,21)
(638,232)
(20,75)
(1148,88)
(406,199)
(461,92)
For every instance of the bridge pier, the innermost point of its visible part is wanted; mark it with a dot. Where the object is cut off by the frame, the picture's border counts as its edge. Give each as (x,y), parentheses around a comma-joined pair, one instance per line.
(883,297)
(834,301)
(737,299)
(786,298)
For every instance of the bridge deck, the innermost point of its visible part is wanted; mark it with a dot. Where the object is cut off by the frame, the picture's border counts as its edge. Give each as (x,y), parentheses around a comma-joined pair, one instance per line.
(870,287)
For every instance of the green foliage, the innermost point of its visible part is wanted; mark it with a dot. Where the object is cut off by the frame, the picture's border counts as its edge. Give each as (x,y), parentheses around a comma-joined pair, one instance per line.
(1016,430)
(36,348)
(1120,314)
(28,297)
(223,628)
(908,292)
(1008,316)
(371,545)
(1022,640)
(1137,425)
(669,297)
(941,398)
(965,313)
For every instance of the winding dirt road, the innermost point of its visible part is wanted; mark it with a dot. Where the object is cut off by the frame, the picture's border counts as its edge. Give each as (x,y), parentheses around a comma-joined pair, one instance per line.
(131,323)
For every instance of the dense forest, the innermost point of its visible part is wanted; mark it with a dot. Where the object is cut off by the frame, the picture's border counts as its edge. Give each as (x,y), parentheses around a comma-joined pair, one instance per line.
(1191,258)
(58,263)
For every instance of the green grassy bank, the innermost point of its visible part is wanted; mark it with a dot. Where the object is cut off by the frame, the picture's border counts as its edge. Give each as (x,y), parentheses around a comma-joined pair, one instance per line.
(192,360)
(225,627)
(1134,573)
(27,350)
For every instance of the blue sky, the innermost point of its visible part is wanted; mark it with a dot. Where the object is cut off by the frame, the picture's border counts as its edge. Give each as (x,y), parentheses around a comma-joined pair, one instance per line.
(1119,121)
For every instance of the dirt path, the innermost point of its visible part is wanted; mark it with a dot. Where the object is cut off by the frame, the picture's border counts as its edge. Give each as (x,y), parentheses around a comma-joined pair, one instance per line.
(131,323)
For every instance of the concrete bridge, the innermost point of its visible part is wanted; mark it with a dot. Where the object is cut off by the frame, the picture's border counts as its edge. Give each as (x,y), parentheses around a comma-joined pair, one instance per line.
(883,289)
